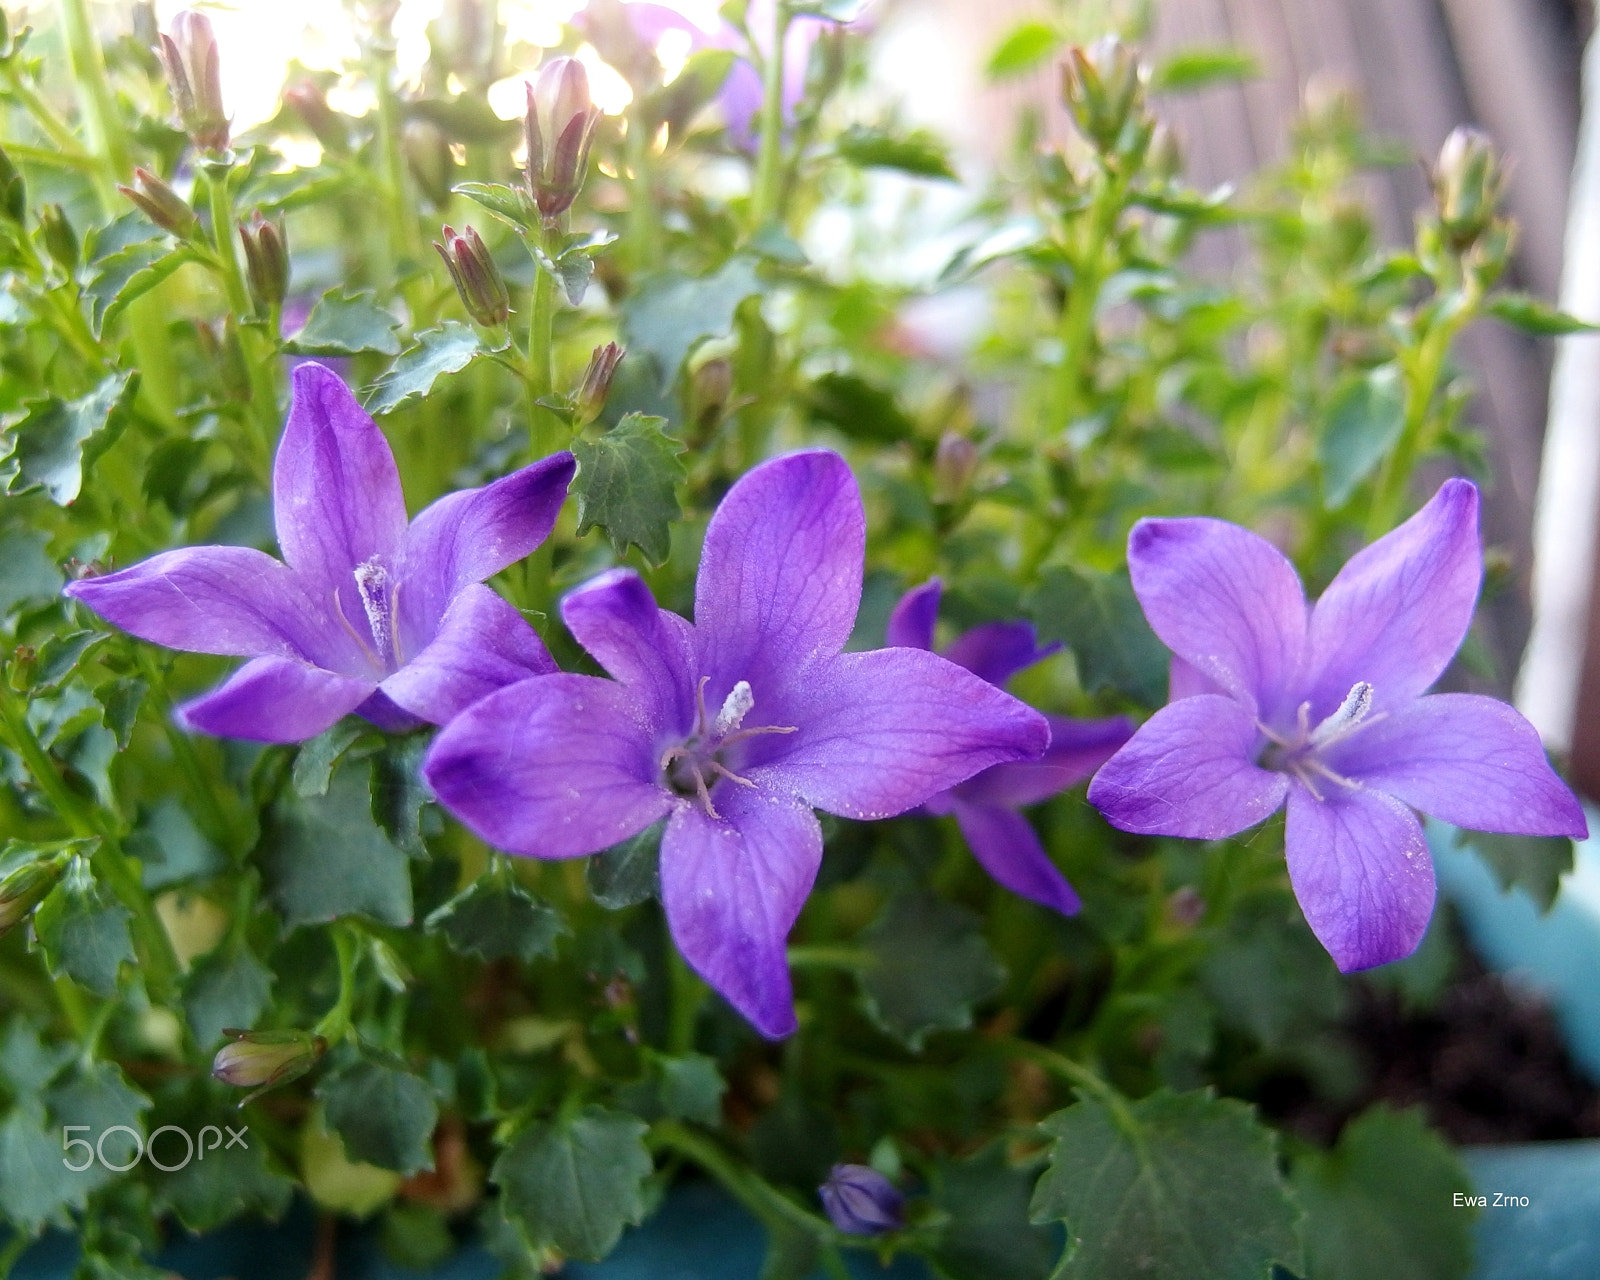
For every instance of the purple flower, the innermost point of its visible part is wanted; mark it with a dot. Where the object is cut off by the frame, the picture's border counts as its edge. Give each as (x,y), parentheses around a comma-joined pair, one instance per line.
(860,1201)
(367,615)
(1323,706)
(733,728)
(985,806)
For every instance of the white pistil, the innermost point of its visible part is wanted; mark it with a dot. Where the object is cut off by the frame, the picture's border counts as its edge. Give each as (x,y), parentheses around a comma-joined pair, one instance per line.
(734,709)
(1352,712)
(372,581)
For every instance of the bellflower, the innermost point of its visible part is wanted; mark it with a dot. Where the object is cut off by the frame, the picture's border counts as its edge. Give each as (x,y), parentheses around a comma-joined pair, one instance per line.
(732,728)
(364,613)
(985,807)
(1324,708)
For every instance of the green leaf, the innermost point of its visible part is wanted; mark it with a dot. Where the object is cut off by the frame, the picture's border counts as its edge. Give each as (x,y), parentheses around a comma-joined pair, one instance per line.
(833,10)
(858,408)
(98,1095)
(448,349)
(1200,68)
(1098,617)
(988,1236)
(1024,48)
(323,857)
(1534,864)
(57,442)
(628,873)
(84,932)
(1364,419)
(510,204)
(225,989)
(686,1088)
(494,919)
(312,770)
(929,965)
(671,313)
(28,575)
(122,277)
(121,700)
(224,1183)
(172,849)
(36,1189)
(27,1064)
(398,791)
(627,484)
(383,1115)
(918,153)
(1525,312)
(574,1184)
(344,324)
(1172,1187)
(60,654)
(572,271)
(1382,1203)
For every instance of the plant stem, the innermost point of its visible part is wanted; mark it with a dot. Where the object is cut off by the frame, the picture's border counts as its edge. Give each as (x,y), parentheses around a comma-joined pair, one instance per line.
(766,205)
(44,115)
(644,224)
(212,818)
(100,107)
(825,956)
(335,1024)
(543,426)
(258,350)
(1077,1075)
(688,994)
(1078,347)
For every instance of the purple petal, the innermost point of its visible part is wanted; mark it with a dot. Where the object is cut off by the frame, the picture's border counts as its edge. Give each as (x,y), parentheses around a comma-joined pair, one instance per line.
(652,21)
(335,490)
(881,732)
(1225,601)
(996,651)
(387,714)
(1361,870)
(1006,845)
(275,700)
(553,767)
(741,103)
(1471,761)
(650,650)
(732,888)
(780,571)
(1398,611)
(483,644)
(469,536)
(1189,771)
(1077,748)
(1183,681)
(912,623)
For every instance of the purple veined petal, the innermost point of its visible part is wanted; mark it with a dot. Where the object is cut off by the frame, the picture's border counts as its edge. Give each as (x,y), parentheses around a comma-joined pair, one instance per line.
(881,732)
(387,714)
(335,490)
(780,570)
(1470,761)
(1006,845)
(732,888)
(1398,611)
(741,103)
(1189,771)
(616,619)
(1184,681)
(1077,748)
(1224,600)
(483,644)
(1362,872)
(470,536)
(275,700)
(996,651)
(552,767)
(912,623)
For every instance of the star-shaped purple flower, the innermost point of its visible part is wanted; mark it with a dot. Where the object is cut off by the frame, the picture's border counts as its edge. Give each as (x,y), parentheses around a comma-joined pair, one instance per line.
(1324,706)
(733,728)
(364,613)
(985,807)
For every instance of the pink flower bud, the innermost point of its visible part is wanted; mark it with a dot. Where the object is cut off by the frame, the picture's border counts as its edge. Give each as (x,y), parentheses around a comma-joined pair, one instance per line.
(194,76)
(559,129)
(161,204)
(477,278)
(266,260)
(266,1059)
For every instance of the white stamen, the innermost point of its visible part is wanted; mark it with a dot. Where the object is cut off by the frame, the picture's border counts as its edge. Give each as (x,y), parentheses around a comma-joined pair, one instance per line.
(734,709)
(1352,711)
(372,581)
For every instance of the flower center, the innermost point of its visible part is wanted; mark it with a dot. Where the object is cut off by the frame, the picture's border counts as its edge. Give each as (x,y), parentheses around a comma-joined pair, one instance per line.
(1299,752)
(691,768)
(380,596)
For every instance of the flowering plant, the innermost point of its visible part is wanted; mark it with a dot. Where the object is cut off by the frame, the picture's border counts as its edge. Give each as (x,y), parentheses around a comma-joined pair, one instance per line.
(671,691)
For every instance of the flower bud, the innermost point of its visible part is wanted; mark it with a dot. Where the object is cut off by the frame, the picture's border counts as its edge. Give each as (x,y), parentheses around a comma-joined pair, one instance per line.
(590,401)
(194,76)
(860,1201)
(710,390)
(559,128)
(477,278)
(265,1059)
(60,240)
(311,104)
(1467,182)
(13,190)
(266,261)
(20,667)
(161,204)
(953,464)
(1103,86)
(25,888)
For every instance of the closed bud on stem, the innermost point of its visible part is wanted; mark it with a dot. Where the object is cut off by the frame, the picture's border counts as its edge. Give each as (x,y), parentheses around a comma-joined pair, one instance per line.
(590,401)
(263,1060)
(161,204)
(194,76)
(20,667)
(559,129)
(266,261)
(60,240)
(1164,160)
(710,389)
(1467,183)
(477,278)
(953,465)
(25,888)
(13,191)
(1103,85)
(860,1201)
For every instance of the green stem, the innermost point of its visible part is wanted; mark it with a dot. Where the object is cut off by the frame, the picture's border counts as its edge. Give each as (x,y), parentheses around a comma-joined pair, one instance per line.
(335,1024)
(404,235)
(1078,346)
(44,115)
(766,205)
(544,428)
(72,1004)
(258,350)
(1077,1075)
(688,994)
(826,956)
(94,90)
(644,222)
(213,820)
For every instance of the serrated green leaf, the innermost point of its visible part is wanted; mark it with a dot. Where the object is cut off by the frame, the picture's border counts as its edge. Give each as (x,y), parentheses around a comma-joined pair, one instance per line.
(627,484)
(858,408)
(989,1235)
(120,233)
(918,152)
(60,654)
(575,1184)
(36,1189)
(99,1096)
(56,443)
(399,793)
(671,313)
(572,271)
(225,1181)
(27,1063)
(225,989)
(448,349)
(1364,421)
(628,873)
(929,965)
(121,700)
(1525,312)
(1172,1187)
(83,932)
(27,573)
(1382,1203)
(323,857)
(344,324)
(384,1116)
(61,716)
(1534,864)
(171,849)
(314,762)
(127,275)
(493,919)
(510,204)
(688,1087)
(1200,68)
(1098,617)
